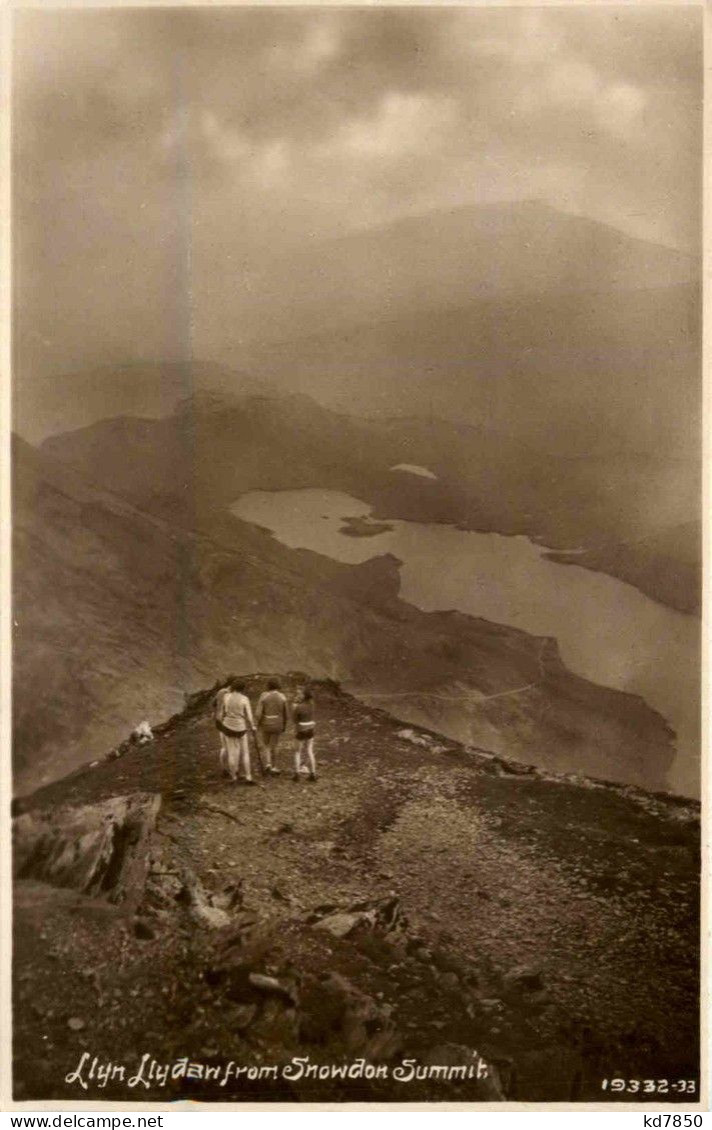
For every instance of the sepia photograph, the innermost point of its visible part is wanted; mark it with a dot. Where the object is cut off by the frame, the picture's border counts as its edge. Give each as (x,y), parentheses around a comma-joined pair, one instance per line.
(356,524)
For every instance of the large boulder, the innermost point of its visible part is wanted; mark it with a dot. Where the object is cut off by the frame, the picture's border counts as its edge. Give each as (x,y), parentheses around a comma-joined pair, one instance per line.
(98,849)
(200,905)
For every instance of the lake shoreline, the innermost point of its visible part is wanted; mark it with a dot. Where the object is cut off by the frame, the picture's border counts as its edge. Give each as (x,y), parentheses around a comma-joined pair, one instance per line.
(631,645)
(559,555)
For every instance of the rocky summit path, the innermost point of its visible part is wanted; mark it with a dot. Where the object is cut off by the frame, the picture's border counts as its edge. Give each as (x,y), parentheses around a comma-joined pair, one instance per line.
(419,903)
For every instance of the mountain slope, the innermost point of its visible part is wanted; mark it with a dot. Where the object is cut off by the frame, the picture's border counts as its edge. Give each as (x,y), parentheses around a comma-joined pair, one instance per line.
(119,610)
(540,325)
(444,258)
(573,372)
(80,398)
(417,903)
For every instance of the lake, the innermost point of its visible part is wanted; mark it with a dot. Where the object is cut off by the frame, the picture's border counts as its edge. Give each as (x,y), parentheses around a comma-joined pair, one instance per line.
(607,631)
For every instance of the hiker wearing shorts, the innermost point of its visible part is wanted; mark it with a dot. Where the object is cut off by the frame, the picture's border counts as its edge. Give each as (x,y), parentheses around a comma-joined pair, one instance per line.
(272,716)
(218,706)
(235,721)
(304,730)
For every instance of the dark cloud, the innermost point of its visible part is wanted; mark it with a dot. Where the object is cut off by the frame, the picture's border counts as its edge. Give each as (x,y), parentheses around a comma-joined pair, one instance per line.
(653,45)
(154,142)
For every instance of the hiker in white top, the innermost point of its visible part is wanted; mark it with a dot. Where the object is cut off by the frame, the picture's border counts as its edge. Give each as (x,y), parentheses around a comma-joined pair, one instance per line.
(272,716)
(235,720)
(218,707)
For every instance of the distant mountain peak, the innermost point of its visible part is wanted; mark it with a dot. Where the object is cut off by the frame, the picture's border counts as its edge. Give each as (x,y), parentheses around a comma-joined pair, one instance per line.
(205,400)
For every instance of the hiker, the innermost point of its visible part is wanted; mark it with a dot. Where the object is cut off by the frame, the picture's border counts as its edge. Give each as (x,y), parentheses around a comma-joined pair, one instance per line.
(235,719)
(218,707)
(271,716)
(304,729)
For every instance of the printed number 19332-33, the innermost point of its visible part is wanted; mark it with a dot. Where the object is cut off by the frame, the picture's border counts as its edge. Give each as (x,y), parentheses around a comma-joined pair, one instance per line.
(650,1086)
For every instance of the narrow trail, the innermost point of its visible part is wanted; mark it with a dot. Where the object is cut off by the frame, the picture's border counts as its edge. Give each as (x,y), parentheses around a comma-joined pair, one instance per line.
(472,696)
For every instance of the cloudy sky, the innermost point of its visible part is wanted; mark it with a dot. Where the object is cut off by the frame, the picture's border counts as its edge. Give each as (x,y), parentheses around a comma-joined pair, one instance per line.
(157,151)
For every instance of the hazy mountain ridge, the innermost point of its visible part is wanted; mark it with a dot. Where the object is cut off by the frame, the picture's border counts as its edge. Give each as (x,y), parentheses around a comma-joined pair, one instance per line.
(137,389)
(459,298)
(444,258)
(574,374)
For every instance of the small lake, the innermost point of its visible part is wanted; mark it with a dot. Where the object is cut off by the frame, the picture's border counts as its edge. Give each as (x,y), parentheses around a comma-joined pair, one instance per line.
(607,631)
